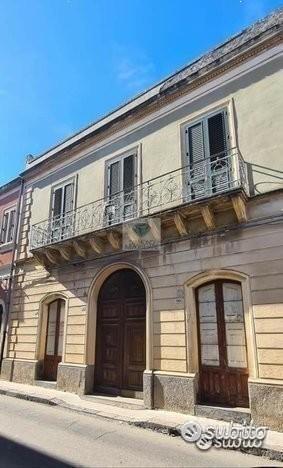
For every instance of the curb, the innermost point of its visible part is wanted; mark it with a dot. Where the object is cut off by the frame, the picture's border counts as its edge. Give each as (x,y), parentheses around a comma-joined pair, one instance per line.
(25,396)
(173,431)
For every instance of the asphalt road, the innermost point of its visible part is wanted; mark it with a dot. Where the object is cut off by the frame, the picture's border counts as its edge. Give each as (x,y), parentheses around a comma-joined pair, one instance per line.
(35,435)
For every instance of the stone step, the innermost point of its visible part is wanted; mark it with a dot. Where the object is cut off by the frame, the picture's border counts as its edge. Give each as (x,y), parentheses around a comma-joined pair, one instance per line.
(237,415)
(46,384)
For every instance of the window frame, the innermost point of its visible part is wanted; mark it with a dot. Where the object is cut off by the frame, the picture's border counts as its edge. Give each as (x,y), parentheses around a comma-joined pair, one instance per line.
(63,184)
(120,158)
(8,211)
(203,119)
(220,322)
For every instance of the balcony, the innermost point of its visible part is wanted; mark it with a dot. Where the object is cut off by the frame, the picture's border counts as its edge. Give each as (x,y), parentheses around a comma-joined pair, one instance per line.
(187,187)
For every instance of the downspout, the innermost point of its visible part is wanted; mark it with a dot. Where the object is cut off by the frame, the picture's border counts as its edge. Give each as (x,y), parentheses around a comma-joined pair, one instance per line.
(12,271)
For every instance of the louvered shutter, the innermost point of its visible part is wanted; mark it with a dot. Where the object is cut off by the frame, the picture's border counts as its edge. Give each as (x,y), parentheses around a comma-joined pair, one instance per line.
(114,178)
(217,134)
(129,177)
(195,143)
(4,227)
(57,202)
(68,198)
(129,173)
(11,226)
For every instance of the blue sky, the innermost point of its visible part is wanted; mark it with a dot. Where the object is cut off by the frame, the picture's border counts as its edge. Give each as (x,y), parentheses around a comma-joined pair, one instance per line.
(64,63)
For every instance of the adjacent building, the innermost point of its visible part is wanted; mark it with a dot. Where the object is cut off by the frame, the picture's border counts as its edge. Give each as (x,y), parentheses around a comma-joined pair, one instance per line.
(9,204)
(150,256)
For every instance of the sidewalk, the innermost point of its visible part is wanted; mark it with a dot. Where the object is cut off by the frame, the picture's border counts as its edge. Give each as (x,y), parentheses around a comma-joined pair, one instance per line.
(129,411)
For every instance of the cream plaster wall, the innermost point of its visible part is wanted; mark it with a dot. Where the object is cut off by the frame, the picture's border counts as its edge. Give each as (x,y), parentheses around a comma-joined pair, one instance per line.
(255,114)
(255,253)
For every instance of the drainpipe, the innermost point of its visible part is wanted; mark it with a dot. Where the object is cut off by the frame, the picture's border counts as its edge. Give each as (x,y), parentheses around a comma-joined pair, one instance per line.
(12,271)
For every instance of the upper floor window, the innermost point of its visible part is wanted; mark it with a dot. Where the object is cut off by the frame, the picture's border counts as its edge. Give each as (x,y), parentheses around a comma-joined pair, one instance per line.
(208,159)
(121,194)
(121,174)
(207,137)
(8,225)
(63,199)
(62,206)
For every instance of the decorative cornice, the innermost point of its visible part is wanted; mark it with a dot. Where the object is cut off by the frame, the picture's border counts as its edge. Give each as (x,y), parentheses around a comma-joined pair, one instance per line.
(211,72)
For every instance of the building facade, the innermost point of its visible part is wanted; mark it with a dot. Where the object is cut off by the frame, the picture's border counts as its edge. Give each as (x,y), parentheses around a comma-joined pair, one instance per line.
(150,259)
(9,200)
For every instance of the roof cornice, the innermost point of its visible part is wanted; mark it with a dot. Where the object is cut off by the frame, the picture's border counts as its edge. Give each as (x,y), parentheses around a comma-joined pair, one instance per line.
(259,37)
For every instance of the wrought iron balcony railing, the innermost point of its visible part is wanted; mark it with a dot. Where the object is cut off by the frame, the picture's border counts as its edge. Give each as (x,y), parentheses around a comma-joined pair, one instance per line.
(204,179)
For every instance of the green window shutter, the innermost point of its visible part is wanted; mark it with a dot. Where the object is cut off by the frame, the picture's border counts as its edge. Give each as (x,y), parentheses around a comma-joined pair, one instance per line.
(129,173)
(4,228)
(68,198)
(196,151)
(114,178)
(11,227)
(57,202)
(217,138)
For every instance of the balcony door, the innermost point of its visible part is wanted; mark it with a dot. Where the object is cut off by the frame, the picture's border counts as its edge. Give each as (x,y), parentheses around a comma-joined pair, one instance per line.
(223,373)
(121,194)
(62,211)
(207,156)
(54,339)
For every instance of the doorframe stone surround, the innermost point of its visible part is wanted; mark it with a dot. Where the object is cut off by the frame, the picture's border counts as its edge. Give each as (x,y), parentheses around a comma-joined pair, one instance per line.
(91,320)
(190,287)
(191,316)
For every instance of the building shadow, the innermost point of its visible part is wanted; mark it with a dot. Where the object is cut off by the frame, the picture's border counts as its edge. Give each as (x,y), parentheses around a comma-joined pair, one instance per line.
(17,455)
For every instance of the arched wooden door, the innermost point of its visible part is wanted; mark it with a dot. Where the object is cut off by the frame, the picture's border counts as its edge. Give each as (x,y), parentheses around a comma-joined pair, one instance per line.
(223,367)
(54,338)
(120,336)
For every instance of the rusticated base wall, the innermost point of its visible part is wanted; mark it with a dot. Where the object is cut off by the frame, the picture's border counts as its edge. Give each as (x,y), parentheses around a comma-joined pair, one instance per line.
(266,403)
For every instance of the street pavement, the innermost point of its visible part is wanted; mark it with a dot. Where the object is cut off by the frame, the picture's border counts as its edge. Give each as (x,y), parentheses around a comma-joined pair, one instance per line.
(37,436)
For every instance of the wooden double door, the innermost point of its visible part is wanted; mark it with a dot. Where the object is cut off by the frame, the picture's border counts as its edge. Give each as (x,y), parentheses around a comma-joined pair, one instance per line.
(54,339)
(223,368)
(121,333)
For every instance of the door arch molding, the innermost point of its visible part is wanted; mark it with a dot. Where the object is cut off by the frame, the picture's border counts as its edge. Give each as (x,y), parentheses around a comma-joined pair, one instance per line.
(92,309)
(191,316)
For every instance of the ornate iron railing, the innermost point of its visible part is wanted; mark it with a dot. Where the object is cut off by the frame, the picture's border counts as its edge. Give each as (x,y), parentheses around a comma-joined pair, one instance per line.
(218,174)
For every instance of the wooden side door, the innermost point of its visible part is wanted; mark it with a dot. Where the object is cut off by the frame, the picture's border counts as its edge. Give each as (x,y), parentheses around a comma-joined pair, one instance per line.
(134,332)
(54,339)
(223,373)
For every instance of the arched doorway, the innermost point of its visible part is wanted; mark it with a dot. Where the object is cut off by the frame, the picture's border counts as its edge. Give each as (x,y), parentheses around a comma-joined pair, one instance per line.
(223,364)
(54,339)
(121,333)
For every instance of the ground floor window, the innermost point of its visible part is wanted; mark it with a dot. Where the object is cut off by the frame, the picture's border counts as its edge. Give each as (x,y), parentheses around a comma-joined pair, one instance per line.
(54,338)
(223,367)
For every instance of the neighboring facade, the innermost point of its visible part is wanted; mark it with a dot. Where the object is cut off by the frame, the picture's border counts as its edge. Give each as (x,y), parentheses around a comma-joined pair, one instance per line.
(195,163)
(9,199)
